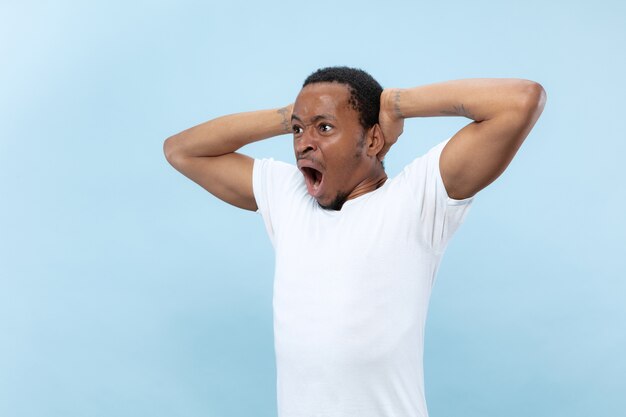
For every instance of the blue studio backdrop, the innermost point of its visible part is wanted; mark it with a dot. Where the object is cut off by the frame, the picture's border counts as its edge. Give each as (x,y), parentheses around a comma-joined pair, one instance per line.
(128,290)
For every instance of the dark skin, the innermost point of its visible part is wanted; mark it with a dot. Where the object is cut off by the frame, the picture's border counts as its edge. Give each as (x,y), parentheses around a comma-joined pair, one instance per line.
(503,110)
(328,138)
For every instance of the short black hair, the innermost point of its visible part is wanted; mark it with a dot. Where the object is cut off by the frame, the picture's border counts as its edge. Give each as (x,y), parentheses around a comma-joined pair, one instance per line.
(365,91)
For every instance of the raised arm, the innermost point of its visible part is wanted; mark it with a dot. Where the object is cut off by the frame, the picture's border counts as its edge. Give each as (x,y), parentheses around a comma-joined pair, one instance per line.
(504,111)
(206,153)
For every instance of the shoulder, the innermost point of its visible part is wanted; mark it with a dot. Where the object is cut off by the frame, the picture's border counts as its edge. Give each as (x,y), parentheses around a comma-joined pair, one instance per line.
(279,190)
(276,181)
(422,177)
(424,167)
(270,171)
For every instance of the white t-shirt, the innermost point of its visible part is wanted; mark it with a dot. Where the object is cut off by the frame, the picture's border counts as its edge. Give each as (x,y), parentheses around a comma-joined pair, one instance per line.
(351,289)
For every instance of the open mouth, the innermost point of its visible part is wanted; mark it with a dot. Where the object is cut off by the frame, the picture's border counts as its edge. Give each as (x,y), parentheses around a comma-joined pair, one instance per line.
(313,179)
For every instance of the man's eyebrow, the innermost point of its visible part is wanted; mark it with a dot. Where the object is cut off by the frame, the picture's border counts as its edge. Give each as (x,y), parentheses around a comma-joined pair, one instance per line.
(314,118)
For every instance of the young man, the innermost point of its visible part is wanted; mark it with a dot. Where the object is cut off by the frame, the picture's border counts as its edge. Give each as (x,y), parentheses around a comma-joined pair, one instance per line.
(356,252)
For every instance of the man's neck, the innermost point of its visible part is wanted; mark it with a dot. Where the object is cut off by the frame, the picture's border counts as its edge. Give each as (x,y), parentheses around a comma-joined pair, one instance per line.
(368,185)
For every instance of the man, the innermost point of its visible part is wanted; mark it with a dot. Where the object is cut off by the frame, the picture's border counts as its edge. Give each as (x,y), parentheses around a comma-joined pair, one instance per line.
(356,252)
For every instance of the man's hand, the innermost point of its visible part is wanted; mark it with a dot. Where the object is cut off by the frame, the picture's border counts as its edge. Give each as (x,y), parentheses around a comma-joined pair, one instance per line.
(390,119)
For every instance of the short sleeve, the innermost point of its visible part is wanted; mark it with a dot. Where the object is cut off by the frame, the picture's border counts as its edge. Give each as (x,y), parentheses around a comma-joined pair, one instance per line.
(439,215)
(273,184)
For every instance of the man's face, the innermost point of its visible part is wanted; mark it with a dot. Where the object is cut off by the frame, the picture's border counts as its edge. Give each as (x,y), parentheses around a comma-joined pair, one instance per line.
(328,142)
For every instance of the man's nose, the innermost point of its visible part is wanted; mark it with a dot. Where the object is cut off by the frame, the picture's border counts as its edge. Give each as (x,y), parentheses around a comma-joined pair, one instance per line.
(305,143)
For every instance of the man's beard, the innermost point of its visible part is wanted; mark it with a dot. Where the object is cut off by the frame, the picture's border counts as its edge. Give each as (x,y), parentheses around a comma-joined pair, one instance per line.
(337,203)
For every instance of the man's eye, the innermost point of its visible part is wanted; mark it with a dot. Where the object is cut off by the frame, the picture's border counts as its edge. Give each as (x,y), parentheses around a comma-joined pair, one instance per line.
(325,127)
(297,129)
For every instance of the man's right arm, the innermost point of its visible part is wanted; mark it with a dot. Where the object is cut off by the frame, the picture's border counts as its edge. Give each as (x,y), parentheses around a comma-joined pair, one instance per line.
(206,153)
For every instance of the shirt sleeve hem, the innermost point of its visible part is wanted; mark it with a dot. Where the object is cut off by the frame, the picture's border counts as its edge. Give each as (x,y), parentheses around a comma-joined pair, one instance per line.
(450,201)
(260,193)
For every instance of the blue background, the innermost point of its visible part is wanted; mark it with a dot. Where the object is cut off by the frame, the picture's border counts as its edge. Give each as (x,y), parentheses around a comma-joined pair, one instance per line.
(126,289)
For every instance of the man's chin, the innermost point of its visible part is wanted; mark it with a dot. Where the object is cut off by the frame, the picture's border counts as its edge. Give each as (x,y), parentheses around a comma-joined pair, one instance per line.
(333,204)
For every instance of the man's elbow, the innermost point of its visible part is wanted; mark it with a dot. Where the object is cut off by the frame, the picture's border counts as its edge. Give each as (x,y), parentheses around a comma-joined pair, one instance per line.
(533,97)
(169,148)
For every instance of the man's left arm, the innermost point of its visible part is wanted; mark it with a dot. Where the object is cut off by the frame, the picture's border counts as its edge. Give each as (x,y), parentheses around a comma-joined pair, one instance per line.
(503,110)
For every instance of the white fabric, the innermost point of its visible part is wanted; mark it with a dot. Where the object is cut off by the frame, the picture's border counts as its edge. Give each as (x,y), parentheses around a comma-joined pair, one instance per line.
(351,289)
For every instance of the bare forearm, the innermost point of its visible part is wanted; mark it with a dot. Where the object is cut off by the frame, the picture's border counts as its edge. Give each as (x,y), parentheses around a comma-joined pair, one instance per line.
(478,99)
(228,133)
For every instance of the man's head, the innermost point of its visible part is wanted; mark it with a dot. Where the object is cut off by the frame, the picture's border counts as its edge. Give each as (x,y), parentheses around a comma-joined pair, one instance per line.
(364,90)
(337,136)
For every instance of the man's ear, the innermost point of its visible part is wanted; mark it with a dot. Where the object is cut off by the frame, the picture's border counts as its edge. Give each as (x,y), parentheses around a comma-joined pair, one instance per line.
(375,140)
